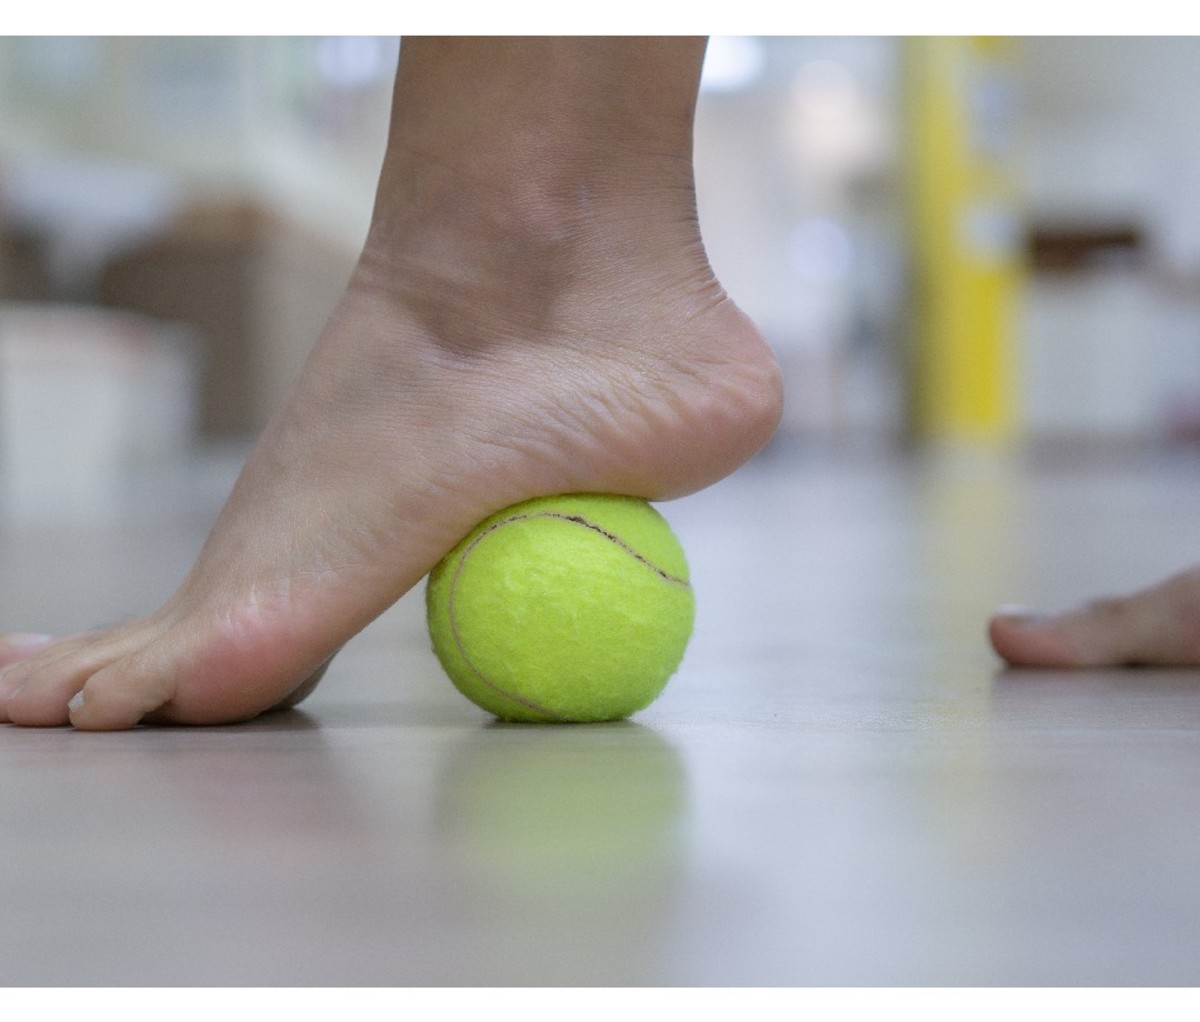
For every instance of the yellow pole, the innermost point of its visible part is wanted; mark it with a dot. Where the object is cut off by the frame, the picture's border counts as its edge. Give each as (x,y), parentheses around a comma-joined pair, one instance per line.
(964,237)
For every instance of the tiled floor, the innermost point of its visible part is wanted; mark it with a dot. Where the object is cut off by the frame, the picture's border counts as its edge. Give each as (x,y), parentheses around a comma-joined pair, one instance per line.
(840,787)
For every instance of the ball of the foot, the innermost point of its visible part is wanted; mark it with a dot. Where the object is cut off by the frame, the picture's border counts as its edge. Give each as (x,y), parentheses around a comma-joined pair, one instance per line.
(568,608)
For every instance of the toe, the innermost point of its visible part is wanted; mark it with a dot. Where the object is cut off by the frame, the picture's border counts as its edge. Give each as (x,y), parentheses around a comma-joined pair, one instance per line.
(1156,626)
(1031,639)
(40,702)
(118,697)
(34,692)
(175,678)
(1103,633)
(16,649)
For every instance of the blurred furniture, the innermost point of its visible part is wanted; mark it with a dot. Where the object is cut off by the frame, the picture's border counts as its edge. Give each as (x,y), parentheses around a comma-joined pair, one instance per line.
(257,288)
(87,398)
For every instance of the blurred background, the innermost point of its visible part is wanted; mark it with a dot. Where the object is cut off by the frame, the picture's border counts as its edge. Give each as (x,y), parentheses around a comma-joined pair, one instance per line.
(974,242)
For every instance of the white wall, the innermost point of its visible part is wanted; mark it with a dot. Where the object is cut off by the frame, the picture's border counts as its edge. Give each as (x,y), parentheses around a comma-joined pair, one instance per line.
(298,124)
(1113,135)
(796,182)
(1111,131)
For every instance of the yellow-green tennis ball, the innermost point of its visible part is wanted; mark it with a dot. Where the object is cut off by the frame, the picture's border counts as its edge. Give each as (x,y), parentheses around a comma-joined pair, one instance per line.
(569,608)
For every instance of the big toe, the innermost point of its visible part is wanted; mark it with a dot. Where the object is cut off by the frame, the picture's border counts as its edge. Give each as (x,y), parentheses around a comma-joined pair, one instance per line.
(1025,638)
(1156,626)
(119,697)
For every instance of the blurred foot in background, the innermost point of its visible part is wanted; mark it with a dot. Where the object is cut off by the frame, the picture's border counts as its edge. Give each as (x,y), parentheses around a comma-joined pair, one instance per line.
(1155,626)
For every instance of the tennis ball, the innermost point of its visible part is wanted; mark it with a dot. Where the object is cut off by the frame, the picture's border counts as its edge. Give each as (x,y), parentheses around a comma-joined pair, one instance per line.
(567,608)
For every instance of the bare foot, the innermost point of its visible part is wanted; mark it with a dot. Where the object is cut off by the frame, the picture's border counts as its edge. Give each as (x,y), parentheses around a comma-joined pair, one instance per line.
(394,443)
(498,341)
(1156,626)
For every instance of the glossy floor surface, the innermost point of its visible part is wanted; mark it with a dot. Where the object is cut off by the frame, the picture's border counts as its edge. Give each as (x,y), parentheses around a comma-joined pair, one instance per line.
(840,786)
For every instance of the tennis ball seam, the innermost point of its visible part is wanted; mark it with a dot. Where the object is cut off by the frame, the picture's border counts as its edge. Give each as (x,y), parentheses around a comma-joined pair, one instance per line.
(529,704)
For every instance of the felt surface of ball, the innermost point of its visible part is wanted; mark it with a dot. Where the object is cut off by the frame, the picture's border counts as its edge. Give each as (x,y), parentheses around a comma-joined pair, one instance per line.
(567,608)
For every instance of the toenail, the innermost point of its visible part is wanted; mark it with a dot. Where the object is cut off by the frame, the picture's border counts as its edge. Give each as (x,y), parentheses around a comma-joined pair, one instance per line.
(1026,615)
(76,703)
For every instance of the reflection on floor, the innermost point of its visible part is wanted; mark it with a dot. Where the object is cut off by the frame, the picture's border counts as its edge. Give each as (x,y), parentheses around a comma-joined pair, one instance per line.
(840,787)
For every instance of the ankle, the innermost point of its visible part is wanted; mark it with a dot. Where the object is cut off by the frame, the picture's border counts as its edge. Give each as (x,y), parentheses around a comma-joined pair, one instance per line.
(523,200)
(522,250)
